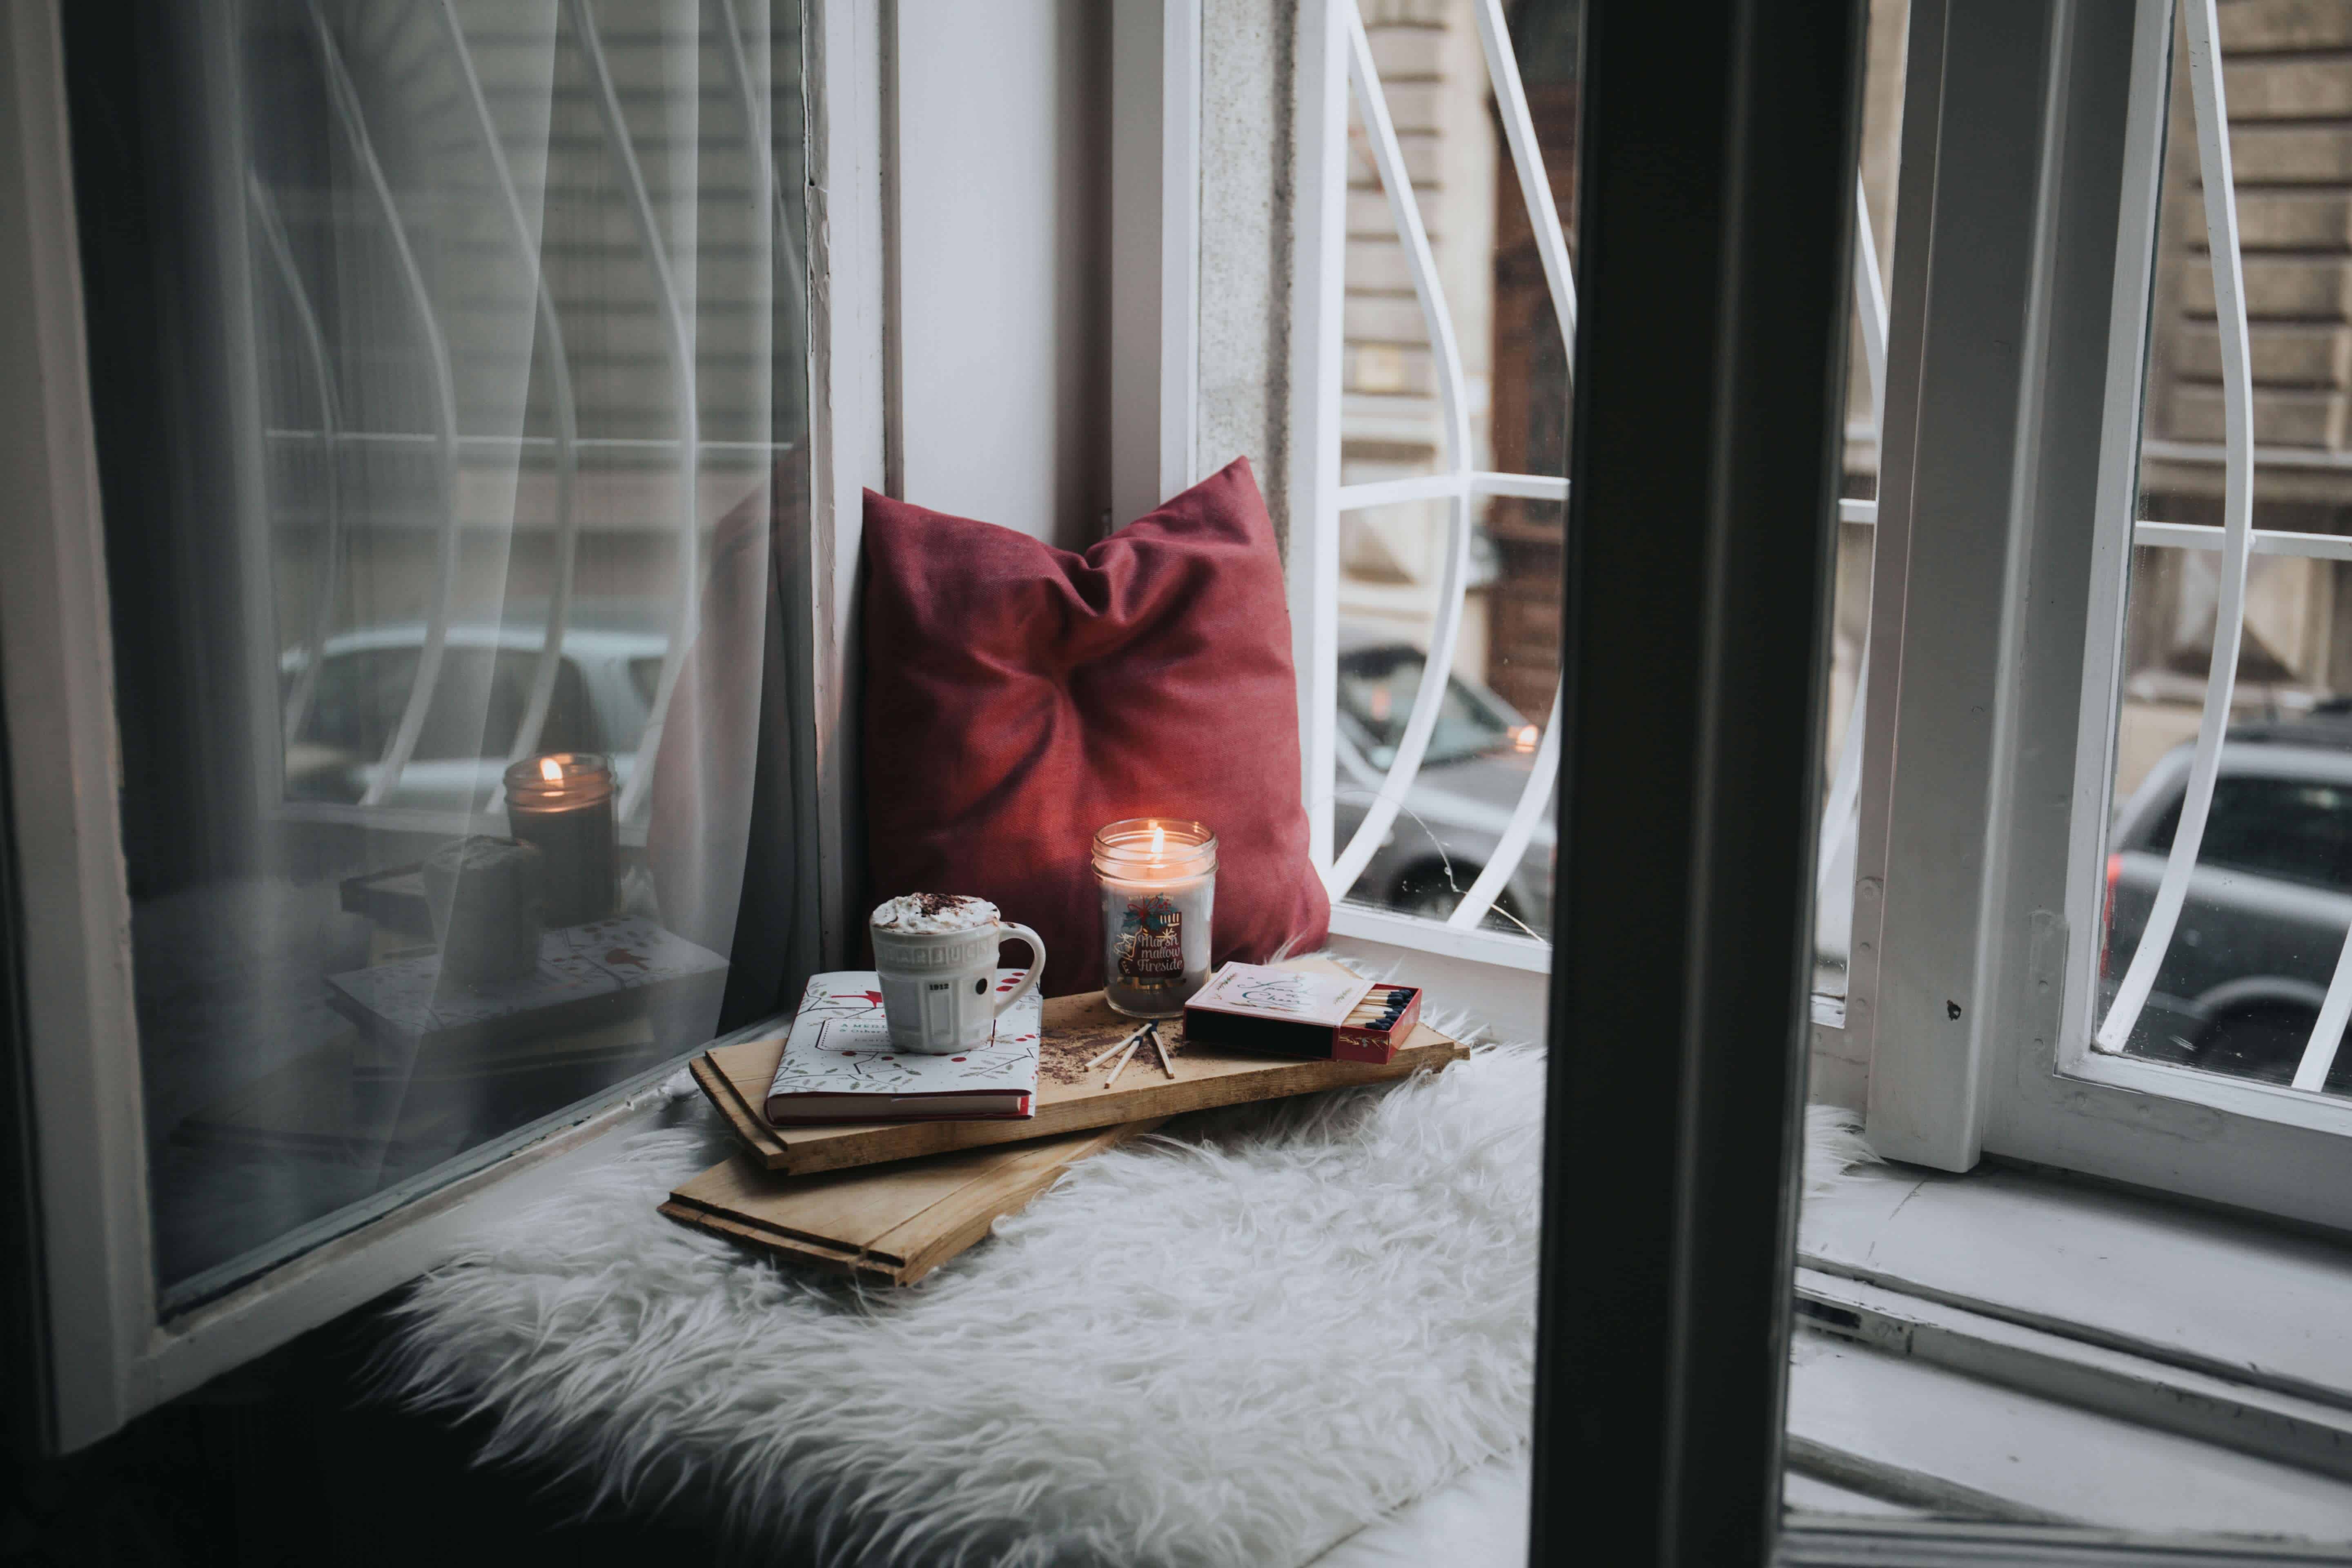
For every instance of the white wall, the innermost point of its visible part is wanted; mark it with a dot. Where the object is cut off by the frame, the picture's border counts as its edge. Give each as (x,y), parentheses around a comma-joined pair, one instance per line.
(1155,181)
(1003,126)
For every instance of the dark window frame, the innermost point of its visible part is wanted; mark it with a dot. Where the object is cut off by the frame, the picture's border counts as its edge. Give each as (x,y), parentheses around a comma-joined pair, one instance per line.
(1717,211)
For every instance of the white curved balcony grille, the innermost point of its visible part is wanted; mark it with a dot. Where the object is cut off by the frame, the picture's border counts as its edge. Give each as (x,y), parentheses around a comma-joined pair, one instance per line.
(1460,485)
(2238,541)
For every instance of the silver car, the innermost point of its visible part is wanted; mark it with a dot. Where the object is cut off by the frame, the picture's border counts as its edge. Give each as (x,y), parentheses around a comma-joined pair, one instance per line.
(1479,759)
(2268,905)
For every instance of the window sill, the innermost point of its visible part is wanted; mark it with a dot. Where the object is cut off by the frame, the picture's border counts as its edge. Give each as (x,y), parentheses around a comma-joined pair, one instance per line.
(371,1258)
(2140,1364)
(1475,946)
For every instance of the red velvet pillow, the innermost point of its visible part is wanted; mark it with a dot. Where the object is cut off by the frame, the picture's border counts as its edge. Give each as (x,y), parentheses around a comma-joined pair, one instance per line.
(1018,697)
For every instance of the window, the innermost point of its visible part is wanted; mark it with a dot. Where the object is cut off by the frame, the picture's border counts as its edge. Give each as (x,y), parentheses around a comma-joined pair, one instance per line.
(1437,422)
(2100,907)
(509,369)
(1428,583)
(488,437)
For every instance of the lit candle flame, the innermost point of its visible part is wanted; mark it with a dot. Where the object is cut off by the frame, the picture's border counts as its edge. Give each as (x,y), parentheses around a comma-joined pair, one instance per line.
(1526,739)
(551,770)
(1159,841)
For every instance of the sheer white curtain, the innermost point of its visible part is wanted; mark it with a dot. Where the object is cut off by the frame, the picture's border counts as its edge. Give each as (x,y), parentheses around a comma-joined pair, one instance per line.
(515,398)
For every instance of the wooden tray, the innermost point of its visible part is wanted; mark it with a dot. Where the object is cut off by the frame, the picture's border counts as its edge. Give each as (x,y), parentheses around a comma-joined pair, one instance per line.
(1069,1100)
(885,1227)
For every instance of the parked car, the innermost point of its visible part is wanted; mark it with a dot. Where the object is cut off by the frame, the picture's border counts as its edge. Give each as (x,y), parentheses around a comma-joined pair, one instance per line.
(2268,904)
(604,690)
(1479,758)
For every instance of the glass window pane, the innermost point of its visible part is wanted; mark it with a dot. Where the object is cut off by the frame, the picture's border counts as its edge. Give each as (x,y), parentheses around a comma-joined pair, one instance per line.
(2238,985)
(509,346)
(1515,382)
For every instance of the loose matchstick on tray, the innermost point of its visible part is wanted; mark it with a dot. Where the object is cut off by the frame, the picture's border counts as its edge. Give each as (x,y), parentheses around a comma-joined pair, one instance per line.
(1134,1044)
(1113,1048)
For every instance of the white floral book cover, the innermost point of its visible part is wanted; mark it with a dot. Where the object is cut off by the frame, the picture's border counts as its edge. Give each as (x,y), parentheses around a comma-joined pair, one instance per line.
(839,1065)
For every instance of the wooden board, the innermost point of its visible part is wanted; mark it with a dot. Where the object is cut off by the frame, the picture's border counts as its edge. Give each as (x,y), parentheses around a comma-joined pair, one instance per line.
(1069,1099)
(886,1227)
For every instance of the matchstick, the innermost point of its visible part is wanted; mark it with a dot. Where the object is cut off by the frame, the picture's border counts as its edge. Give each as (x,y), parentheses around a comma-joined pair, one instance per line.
(1113,1050)
(1388,1007)
(1120,1066)
(1160,1046)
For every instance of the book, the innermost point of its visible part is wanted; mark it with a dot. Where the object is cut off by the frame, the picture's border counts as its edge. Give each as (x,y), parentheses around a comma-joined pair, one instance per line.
(1252,1007)
(586,974)
(838,1064)
(889,1226)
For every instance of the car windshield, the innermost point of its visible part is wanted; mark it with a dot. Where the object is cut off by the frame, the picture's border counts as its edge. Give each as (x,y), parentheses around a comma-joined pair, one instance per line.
(1376,687)
(2297,829)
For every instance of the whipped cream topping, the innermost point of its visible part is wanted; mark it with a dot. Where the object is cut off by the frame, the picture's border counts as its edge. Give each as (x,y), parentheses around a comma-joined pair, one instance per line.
(934,913)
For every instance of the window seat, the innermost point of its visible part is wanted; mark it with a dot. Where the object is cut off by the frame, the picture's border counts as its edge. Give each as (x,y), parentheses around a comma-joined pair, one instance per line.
(1241,1345)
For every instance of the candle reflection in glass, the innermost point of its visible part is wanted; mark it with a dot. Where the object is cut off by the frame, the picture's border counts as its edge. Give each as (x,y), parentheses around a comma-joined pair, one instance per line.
(562,805)
(1158,880)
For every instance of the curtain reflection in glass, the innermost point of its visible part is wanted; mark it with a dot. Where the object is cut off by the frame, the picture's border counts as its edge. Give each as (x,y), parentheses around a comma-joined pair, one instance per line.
(517,377)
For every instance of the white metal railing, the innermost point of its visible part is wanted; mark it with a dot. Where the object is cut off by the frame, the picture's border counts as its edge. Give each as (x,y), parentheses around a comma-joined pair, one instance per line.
(2238,541)
(1460,484)
(446,443)
(1842,811)
(1437,668)
(1551,247)
(2235,538)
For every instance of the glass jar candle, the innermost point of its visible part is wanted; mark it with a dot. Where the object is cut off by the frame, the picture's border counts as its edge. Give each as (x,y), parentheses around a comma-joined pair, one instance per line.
(1159,880)
(561,805)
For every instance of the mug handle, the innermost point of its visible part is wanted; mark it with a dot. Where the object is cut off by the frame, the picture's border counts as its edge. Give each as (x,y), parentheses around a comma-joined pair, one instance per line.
(1011,931)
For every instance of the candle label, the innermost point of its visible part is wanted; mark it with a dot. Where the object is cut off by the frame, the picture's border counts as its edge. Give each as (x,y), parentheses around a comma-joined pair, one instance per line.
(1150,947)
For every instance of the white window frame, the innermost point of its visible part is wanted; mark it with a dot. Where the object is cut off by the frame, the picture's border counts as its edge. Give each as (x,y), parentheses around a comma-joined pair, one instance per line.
(2006,517)
(109,1355)
(1337,68)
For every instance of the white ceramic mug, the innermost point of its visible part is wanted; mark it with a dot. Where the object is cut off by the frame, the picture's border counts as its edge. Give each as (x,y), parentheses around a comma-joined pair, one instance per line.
(939,987)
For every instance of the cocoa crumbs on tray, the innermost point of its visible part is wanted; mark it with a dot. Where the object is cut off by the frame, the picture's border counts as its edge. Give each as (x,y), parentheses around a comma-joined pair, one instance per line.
(1064,1060)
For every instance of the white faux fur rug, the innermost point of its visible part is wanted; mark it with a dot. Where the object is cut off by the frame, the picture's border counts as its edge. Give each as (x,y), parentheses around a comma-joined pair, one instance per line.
(1237,1348)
